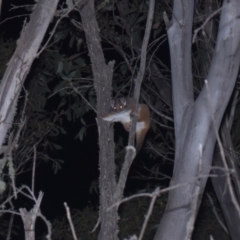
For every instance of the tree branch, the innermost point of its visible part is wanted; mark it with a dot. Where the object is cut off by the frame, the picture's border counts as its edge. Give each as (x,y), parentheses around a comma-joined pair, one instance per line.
(130,154)
(102,82)
(21,62)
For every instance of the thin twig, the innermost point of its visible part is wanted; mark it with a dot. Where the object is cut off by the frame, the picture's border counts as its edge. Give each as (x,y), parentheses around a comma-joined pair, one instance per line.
(130,155)
(233,198)
(10,223)
(205,22)
(70,221)
(216,215)
(155,110)
(23,15)
(55,27)
(117,204)
(150,209)
(145,42)
(139,78)
(48,224)
(34,167)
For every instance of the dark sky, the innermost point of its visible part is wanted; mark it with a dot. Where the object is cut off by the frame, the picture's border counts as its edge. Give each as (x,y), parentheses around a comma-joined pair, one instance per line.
(71,183)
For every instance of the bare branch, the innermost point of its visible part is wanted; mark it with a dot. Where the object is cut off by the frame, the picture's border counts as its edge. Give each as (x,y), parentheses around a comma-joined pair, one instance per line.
(21,61)
(130,155)
(217,215)
(70,221)
(233,197)
(29,218)
(48,224)
(59,20)
(150,209)
(34,167)
(205,22)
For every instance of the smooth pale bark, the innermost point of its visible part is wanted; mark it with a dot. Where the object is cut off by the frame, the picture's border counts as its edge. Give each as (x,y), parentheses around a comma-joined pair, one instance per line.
(29,219)
(230,213)
(180,37)
(21,62)
(193,120)
(226,197)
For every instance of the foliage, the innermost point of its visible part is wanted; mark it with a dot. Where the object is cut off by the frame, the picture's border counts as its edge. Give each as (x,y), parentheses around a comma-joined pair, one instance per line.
(131,219)
(59,89)
(132,215)
(83,222)
(4,229)
(207,223)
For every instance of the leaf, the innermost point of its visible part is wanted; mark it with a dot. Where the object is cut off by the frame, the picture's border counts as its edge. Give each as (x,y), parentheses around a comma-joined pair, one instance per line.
(94,187)
(71,75)
(71,42)
(142,18)
(62,130)
(83,122)
(57,165)
(67,66)
(59,68)
(82,132)
(56,146)
(80,62)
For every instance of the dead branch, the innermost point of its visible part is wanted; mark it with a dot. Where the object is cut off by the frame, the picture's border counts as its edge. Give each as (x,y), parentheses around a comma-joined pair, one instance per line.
(21,62)
(29,218)
(70,221)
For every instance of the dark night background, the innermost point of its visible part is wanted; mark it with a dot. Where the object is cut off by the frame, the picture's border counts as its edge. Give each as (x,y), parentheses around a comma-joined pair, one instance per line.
(72,183)
(77,181)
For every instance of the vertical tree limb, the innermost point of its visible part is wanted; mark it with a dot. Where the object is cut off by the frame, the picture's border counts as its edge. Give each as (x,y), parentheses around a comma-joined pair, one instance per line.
(193,120)
(21,61)
(102,73)
(29,218)
(130,154)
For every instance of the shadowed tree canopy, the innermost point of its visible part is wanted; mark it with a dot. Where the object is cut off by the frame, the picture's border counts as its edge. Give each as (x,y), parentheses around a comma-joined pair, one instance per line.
(62,63)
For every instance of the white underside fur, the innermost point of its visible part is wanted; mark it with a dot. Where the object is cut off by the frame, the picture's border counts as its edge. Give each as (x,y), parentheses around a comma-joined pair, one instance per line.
(123,117)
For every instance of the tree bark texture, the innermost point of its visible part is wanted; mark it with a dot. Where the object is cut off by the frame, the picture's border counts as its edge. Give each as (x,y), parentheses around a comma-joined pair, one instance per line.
(219,180)
(194,125)
(102,82)
(29,219)
(230,213)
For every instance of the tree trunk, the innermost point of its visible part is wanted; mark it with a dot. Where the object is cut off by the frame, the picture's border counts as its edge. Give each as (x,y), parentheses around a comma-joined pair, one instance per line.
(102,82)
(194,125)
(230,213)
(21,61)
